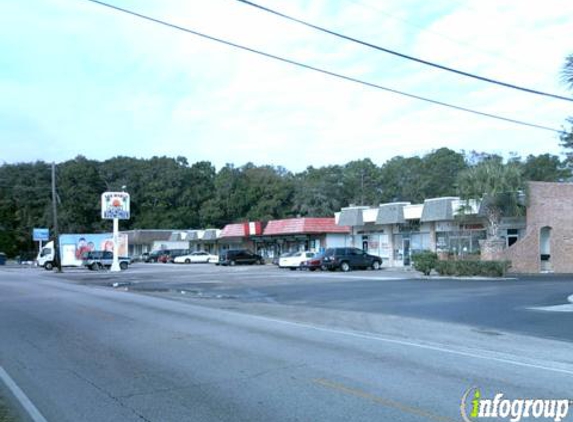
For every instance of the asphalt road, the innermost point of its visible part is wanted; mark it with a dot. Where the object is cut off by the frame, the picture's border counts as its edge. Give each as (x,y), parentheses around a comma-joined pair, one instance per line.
(519,305)
(84,352)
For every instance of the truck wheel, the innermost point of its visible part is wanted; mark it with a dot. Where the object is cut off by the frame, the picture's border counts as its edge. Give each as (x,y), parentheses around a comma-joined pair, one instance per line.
(344,266)
(123,265)
(49,266)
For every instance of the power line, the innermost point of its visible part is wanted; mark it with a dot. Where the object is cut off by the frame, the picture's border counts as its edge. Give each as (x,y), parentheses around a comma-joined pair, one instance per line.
(402,55)
(441,35)
(326,72)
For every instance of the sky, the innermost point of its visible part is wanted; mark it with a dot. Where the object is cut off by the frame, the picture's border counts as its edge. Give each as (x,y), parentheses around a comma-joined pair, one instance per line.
(77,78)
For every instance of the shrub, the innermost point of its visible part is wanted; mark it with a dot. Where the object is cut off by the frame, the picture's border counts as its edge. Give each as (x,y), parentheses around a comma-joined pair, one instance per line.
(472,268)
(425,261)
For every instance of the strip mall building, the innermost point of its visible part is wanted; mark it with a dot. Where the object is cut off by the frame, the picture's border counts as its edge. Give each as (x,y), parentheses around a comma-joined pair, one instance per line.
(539,241)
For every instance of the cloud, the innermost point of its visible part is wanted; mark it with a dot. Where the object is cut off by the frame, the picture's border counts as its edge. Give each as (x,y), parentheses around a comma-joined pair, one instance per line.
(92,81)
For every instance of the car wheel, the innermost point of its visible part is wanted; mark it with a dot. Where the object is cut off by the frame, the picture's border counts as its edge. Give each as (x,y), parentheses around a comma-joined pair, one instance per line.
(49,266)
(323,268)
(312,269)
(344,266)
(292,268)
(376,265)
(232,263)
(261,262)
(123,265)
(188,261)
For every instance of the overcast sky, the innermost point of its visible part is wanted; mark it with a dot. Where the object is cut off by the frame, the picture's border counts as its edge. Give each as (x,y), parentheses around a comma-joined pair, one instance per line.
(78,78)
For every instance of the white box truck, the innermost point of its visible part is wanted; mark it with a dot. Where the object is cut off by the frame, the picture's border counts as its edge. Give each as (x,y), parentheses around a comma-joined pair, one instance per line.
(74,246)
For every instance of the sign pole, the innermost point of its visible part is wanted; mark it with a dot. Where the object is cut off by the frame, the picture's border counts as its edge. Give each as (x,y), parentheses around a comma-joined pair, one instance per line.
(115,263)
(115,206)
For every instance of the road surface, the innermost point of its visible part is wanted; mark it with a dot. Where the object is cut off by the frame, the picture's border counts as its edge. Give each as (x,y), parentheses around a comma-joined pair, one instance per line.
(91,353)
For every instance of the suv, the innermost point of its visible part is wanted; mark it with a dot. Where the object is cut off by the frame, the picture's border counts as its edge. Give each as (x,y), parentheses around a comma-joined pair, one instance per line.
(348,258)
(240,256)
(97,260)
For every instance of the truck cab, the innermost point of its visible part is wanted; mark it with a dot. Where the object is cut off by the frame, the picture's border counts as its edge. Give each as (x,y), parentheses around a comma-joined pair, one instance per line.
(46,256)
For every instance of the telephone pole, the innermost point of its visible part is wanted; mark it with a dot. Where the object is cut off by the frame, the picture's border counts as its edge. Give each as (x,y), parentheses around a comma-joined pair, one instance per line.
(55,216)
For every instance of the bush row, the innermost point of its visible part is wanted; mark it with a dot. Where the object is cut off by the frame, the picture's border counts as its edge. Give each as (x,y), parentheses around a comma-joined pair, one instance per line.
(472,268)
(427,261)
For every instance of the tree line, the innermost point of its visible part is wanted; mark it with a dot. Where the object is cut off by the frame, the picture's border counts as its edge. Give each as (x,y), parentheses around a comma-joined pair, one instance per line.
(171,193)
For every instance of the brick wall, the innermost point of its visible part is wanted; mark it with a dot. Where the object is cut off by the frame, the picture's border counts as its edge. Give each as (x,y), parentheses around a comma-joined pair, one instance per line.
(549,205)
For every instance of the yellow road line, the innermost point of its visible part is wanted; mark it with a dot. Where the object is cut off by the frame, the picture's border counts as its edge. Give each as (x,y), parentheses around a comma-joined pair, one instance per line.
(380,400)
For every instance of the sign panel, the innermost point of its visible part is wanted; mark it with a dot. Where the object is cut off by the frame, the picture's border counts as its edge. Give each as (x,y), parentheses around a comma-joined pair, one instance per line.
(115,205)
(41,235)
(74,246)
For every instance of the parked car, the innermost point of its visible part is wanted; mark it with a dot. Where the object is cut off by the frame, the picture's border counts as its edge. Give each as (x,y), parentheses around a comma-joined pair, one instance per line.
(196,257)
(276,259)
(97,260)
(168,255)
(174,253)
(313,264)
(154,256)
(346,259)
(240,256)
(295,260)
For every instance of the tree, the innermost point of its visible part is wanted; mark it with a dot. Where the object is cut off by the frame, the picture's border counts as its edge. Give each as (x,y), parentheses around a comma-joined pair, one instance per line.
(545,168)
(319,192)
(567,135)
(440,168)
(361,183)
(498,185)
(402,179)
(567,71)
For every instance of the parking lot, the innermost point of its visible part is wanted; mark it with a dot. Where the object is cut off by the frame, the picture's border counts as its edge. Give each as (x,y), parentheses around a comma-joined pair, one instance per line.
(526,305)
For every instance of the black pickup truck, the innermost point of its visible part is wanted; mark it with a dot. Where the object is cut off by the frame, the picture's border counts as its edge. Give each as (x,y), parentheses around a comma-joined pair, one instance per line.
(98,260)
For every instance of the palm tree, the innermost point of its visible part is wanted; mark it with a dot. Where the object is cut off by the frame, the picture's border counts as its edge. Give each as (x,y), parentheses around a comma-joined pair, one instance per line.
(567,71)
(498,185)
(567,136)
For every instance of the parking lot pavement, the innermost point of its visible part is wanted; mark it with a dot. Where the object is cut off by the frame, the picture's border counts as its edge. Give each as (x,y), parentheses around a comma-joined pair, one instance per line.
(521,305)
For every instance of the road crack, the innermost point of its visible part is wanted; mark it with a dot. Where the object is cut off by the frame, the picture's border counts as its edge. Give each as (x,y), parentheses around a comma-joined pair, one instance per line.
(116,399)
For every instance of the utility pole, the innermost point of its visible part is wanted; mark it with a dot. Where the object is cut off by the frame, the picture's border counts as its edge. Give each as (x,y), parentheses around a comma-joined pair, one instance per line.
(55,216)
(362,188)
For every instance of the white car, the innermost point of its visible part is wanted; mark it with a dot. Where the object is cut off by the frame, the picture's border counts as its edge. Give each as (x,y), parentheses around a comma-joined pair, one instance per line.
(293,261)
(196,257)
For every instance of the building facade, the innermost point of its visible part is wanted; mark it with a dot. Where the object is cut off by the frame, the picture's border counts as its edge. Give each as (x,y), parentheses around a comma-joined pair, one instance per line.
(547,244)
(300,234)
(395,231)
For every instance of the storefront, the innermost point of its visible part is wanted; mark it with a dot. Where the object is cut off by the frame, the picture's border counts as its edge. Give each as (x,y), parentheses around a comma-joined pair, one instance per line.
(299,234)
(239,236)
(395,231)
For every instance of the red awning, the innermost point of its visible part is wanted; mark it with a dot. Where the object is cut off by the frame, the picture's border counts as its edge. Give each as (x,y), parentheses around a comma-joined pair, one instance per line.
(304,225)
(242,229)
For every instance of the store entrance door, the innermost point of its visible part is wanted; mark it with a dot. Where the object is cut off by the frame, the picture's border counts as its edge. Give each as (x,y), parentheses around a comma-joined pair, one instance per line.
(406,251)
